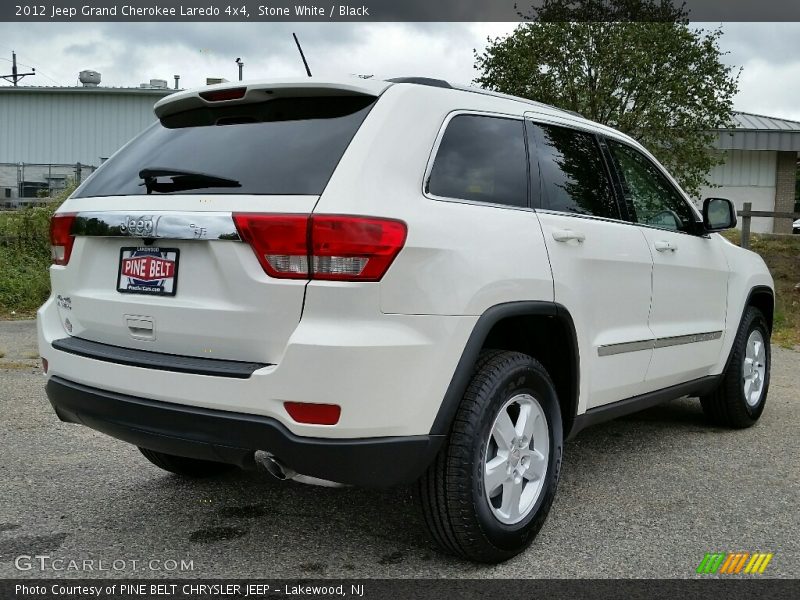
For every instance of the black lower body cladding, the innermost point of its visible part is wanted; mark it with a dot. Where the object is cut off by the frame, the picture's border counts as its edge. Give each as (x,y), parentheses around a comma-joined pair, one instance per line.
(232,438)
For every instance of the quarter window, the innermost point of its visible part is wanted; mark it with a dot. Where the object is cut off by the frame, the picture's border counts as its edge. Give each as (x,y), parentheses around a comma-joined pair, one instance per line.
(574,175)
(482,159)
(653,199)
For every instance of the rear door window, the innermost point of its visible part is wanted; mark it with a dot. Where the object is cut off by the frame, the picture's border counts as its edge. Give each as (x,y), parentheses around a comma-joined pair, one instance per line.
(481,159)
(287,146)
(574,175)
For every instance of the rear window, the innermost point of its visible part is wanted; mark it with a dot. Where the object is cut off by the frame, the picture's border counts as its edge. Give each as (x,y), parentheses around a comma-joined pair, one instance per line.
(282,146)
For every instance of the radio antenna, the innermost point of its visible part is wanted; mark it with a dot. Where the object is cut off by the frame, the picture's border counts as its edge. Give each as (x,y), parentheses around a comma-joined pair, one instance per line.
(303,56)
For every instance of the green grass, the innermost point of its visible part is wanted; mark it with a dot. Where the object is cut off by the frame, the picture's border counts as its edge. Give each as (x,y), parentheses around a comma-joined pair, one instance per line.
(782,255)
(25,258)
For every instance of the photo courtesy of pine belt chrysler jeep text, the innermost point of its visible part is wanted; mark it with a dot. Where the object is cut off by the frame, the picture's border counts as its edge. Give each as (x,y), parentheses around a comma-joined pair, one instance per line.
(389,282)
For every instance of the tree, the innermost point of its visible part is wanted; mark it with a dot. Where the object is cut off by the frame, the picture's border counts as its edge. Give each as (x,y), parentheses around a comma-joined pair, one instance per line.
(634,65)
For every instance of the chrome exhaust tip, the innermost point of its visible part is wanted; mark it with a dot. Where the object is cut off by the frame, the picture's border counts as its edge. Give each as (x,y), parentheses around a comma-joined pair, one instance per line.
(278,470)
(273,466)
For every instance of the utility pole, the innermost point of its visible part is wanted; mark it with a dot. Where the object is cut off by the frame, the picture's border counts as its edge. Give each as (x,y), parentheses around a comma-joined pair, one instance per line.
(15,76)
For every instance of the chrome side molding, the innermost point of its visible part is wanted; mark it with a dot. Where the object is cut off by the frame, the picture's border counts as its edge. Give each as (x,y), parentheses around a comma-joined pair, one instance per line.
(678,340)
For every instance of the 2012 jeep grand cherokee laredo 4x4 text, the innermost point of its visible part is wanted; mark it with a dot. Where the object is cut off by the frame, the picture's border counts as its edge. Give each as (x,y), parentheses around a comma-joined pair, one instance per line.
(385,282)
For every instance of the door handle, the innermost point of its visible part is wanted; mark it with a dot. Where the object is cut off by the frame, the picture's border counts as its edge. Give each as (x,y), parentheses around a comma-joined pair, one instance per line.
(566,235)
(663,246)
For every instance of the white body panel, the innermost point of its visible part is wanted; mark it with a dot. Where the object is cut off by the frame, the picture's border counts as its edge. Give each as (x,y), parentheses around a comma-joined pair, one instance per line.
(686,266)
(604,281)
(386,351)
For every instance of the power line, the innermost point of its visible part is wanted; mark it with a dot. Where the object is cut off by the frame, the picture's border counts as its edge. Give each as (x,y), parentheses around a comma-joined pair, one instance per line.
(15,75)
(39,72)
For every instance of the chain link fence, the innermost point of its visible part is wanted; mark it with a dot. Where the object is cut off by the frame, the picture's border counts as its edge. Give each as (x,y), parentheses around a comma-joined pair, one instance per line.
(30,184)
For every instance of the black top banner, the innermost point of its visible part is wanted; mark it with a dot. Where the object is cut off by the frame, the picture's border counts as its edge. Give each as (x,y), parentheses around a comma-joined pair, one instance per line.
(381,10)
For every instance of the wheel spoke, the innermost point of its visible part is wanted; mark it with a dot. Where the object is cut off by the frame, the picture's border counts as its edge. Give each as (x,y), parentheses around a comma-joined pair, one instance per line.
(512,491)
(504,431)
(524,425)
(748,366)
(536,466)
(496,473)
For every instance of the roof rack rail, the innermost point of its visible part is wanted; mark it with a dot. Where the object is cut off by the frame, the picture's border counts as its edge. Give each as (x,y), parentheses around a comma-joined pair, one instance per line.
(441,83)
(485,92)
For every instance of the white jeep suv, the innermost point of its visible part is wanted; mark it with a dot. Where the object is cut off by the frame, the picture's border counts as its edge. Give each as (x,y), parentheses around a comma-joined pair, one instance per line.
(385,282)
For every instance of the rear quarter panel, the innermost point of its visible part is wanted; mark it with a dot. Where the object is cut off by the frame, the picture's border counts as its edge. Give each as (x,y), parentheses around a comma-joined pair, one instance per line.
(459,258)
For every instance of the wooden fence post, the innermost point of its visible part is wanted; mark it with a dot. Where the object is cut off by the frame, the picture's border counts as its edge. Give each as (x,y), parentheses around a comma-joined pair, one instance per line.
(746,209)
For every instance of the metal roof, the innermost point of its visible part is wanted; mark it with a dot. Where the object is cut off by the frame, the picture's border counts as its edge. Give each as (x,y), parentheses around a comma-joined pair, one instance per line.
(756,122)
(759,132)
(23,89)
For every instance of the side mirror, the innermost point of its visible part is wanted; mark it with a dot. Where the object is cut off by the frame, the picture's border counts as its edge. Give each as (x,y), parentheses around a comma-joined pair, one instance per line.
(718,214)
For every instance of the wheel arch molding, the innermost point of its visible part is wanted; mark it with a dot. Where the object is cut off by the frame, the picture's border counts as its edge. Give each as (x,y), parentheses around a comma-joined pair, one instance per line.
(542,329)
(761,297)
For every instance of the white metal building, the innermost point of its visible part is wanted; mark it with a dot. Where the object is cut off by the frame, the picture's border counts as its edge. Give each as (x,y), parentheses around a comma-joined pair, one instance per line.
(761,157)
(49,134)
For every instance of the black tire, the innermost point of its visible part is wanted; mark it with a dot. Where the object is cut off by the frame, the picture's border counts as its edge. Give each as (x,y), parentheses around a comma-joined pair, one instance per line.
(187,467)
(726,405)
(455,507)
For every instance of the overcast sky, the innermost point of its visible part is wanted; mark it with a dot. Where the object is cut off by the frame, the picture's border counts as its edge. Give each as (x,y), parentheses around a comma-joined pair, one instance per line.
(127,54)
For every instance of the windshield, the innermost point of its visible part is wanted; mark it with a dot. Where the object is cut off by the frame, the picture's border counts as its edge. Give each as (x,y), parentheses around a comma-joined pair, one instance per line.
(287,146)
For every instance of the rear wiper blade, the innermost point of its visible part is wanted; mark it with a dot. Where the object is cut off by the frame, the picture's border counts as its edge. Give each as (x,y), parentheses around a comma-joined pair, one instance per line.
(182,180)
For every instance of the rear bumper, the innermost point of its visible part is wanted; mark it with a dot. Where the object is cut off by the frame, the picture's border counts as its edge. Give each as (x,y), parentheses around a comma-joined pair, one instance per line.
(233,437)
(388,373)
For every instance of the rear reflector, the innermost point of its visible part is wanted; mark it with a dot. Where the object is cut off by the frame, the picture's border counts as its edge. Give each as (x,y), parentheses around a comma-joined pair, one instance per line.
(61,238)
(313,414)
(222,95)
(44,365)
(330,247)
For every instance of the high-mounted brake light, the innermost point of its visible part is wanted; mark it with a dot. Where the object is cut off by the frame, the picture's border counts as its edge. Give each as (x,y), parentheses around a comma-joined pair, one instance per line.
(330,247)
(222,95)
(61,238)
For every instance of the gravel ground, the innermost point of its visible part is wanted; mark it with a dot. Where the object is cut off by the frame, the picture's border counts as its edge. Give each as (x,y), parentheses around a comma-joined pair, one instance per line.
(643,496)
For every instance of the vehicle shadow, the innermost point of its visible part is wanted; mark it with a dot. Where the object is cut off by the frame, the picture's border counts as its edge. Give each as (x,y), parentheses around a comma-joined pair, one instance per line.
(249,524)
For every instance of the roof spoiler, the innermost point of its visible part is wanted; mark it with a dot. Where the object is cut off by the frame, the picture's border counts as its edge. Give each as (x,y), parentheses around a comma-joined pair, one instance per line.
(243,92)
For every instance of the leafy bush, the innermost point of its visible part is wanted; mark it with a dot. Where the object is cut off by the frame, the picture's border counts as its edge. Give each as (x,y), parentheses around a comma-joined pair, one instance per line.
(25,257)
(782,255)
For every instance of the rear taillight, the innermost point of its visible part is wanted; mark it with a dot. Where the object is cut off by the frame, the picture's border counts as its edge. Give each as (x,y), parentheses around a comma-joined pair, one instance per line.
(61,238)
(354,248)
(331,247)
(279,241)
